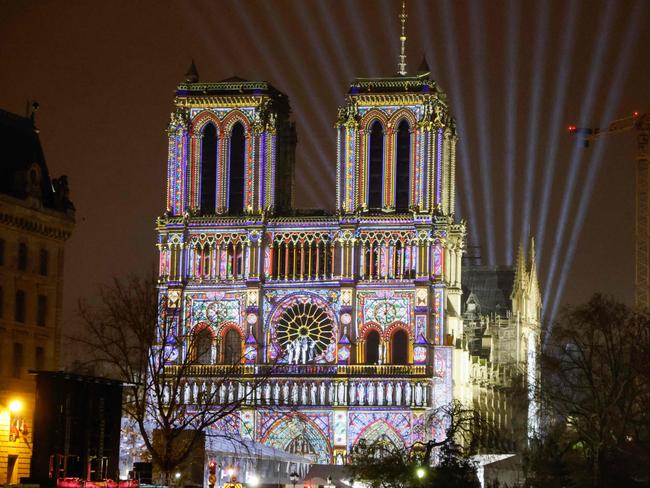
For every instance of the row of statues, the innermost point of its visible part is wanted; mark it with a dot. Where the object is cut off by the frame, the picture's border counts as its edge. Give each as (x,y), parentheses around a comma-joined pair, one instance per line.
(301,350)
(288,392)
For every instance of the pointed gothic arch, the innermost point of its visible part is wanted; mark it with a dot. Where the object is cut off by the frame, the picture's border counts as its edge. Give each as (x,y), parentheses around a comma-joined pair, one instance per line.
(380,431)
(232,345)
(402,166)
(375,165)
(208,165)
(201,346)
(236,168)
(372,344)
(297,431)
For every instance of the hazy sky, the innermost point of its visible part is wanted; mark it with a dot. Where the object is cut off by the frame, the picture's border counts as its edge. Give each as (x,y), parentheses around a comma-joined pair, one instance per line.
(517,73)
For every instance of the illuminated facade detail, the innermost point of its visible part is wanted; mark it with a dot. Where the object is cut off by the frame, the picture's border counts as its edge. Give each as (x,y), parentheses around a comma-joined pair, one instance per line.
(355,315)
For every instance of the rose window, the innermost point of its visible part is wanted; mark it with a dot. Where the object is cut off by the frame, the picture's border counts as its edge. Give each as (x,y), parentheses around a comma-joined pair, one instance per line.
(307,326)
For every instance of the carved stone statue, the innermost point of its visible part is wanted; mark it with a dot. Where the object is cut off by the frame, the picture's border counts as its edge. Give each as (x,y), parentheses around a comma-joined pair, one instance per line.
(323,392)
(312,393)
(285,392)
(353,393)
(389,393)
(341,393)
(276,393)
(398,393)
(418,394)
(362,393)
(371,393)
(380,393)
(407,394)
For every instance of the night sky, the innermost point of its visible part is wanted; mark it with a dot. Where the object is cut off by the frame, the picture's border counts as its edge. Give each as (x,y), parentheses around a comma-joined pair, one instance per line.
(517,73)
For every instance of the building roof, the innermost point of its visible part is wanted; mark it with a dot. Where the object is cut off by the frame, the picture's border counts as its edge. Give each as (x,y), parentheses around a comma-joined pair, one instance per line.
(23,171)
(491,287)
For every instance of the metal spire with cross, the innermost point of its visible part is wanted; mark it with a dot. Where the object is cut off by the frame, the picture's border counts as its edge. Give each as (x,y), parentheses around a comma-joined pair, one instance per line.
(402,55)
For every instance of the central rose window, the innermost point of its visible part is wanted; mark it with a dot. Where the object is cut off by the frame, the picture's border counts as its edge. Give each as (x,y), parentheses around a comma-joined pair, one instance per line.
(304,330)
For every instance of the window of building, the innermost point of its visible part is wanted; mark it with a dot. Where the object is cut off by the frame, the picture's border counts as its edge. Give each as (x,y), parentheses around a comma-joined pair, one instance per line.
(2,252)
(399,347)
(19,306)
(41,317)
(203,346)
(232,351)
(236,168)
(402,166)
(39,358)
(209,169)
(18,360)
(22,256)
(376,166)
(372,347)
(44,262)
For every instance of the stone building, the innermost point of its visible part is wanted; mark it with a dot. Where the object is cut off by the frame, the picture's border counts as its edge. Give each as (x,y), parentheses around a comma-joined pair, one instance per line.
(36,219)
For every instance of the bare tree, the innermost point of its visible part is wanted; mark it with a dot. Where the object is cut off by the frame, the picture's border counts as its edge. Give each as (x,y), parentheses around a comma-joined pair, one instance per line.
(596,383)
(169,394)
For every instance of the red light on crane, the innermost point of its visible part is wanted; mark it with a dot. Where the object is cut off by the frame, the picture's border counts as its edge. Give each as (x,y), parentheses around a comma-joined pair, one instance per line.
(572,128)
(635,114)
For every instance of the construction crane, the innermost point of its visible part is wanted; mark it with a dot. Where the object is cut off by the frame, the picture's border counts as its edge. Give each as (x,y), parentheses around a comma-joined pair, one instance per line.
(640,123)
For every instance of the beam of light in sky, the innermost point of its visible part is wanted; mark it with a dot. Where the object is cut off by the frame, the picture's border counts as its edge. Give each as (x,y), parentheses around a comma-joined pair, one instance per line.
(534,115)
(477,41)
(561,90)
(342,63)
(358,50)
(512,52)
(595,75)
(621,72)
(456,93)
(307,125)
(422,15)
(391,27)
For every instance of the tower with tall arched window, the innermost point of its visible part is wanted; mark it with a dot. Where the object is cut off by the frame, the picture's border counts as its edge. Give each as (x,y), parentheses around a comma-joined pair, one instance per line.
(353,317)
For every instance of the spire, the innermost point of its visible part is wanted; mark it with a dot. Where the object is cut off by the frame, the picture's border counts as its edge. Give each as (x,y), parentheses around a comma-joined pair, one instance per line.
(402,56)
(192,75)
(424,66)
(520,265)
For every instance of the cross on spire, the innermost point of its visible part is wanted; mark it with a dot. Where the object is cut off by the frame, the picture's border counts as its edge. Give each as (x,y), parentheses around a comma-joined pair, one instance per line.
(402,55)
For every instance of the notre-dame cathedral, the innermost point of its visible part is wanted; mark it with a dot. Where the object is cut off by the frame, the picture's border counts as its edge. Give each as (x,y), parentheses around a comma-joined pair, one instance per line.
(364,319)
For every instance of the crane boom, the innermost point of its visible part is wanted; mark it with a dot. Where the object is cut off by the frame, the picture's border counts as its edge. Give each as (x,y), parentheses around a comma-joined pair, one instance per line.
(641,124)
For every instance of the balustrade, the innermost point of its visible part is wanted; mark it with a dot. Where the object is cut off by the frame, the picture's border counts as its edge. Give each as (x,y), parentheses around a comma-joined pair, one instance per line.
(305,392)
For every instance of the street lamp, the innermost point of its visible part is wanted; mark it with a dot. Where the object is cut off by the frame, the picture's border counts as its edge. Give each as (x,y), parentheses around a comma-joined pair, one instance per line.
(294,478)
(15,406)
(253,481)
(420,472)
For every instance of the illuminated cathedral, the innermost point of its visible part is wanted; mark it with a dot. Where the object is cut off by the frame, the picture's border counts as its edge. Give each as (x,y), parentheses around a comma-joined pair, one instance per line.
(359,317)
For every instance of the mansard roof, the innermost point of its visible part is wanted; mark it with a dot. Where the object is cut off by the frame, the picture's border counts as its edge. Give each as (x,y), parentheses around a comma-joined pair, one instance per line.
(22,151)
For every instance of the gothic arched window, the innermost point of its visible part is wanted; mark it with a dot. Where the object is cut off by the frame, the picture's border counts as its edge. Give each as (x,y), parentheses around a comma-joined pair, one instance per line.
(372,347)
(399,347)
(236,169)
(208,168)
(402,166)
(375,166)
(203,346)
(232,348)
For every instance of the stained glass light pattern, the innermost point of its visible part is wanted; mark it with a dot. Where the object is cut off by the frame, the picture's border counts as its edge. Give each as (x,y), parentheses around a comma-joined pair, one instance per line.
(305,320)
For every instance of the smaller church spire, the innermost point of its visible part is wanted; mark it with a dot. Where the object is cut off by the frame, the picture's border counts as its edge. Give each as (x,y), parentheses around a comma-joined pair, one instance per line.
(192,75)
(402,56)
(424,66)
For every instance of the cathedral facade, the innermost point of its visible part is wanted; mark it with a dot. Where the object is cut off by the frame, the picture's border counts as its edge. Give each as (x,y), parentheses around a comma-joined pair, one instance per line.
(354,318)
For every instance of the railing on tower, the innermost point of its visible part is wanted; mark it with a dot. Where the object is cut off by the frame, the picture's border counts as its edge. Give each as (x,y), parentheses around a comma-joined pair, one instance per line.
(301,257)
